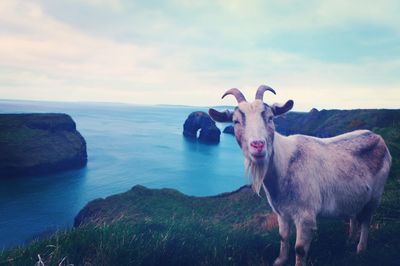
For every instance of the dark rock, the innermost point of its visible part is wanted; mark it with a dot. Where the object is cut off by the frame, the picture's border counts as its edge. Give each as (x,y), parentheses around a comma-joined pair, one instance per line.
(209,132)
(35,144)
(229,130)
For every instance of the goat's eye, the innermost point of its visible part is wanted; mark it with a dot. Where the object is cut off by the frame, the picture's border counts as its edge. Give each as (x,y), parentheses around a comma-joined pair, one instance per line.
(236,122)
(270,119)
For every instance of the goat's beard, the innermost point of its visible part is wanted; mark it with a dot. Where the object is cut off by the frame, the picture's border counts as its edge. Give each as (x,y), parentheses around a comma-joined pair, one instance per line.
(256,173)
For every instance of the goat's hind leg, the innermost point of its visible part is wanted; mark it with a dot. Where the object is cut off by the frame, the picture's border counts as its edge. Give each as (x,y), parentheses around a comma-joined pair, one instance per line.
(354,228)
(364,217)
(284,232)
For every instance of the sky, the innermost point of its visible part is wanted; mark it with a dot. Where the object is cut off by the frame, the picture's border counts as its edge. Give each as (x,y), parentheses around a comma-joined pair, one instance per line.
(323,54)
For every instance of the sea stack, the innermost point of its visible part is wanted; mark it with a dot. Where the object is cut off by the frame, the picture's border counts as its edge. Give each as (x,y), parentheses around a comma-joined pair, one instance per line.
(209,132)
(36,144)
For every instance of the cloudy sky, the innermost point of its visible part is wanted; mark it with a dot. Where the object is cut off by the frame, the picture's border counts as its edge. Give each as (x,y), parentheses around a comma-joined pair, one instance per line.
(327,54)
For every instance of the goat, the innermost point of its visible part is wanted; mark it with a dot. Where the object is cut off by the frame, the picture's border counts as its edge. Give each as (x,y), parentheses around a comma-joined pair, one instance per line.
(305,177)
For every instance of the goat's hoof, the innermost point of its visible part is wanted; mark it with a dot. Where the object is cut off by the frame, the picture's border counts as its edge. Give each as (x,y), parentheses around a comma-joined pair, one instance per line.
(300,261)
(361,248)
(279,262)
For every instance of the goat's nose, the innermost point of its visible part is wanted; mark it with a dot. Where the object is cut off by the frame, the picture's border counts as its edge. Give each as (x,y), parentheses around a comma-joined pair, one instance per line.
(258,145)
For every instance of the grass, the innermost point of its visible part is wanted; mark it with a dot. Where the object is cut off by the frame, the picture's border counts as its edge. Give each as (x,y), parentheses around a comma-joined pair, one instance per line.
(165,227)
(149,244)
(183,230)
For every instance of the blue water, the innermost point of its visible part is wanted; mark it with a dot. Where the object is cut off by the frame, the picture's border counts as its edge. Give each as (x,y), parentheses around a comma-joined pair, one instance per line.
(127,145)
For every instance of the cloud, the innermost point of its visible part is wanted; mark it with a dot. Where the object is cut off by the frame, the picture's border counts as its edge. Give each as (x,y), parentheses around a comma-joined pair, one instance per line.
(189,52)
(115,5)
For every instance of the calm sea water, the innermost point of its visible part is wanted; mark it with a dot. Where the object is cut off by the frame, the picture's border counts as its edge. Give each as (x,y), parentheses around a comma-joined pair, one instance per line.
(127,145)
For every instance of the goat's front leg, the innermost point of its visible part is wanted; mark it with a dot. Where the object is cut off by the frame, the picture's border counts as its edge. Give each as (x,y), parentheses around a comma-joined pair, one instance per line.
(305,228)
(284,231)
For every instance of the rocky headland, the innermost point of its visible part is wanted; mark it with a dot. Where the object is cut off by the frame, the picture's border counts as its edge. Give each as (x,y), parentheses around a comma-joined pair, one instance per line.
(35,144)
(329,123)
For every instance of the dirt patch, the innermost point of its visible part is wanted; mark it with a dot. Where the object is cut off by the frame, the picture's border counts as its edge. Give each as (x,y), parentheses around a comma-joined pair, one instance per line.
(264,222)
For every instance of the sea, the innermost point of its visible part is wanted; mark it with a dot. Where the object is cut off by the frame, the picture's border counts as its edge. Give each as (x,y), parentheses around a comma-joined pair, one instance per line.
(127,145)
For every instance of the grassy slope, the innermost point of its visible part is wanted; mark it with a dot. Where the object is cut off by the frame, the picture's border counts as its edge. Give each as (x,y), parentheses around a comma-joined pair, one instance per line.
(327,123)
(165,227)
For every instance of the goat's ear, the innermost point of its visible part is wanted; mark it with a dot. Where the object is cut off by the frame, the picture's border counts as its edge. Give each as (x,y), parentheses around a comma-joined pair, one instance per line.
(225,116)
(281,109)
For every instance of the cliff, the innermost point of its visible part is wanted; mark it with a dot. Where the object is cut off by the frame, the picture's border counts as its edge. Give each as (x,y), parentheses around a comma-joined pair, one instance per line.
(329,123)
(165,227)
(34,144)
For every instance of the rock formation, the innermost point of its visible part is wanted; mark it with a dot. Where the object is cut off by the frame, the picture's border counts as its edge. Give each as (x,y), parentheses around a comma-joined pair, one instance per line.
(35,144)
(229,130)
(209,132)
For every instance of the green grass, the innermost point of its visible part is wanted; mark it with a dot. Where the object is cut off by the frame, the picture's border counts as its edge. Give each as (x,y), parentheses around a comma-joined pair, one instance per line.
(165,227)
(150,243)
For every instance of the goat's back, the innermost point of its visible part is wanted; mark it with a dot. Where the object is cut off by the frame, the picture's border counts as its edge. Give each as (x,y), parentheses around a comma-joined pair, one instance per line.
(340,174)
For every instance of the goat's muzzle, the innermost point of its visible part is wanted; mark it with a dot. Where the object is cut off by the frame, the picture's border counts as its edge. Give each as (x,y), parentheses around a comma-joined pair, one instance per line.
(257,150)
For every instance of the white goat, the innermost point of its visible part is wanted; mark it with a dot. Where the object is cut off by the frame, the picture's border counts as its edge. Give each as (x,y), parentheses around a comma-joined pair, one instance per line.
(305,177)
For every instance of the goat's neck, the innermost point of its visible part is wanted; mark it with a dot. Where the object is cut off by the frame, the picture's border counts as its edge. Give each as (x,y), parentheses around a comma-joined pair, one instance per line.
(277,168)
(283,149)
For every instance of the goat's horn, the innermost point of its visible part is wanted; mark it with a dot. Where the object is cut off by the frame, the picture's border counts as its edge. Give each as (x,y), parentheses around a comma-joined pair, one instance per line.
(261,90)
(237,93)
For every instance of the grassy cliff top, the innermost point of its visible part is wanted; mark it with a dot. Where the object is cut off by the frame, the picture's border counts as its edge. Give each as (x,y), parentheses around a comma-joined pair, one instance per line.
(328,123)
(165,227)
